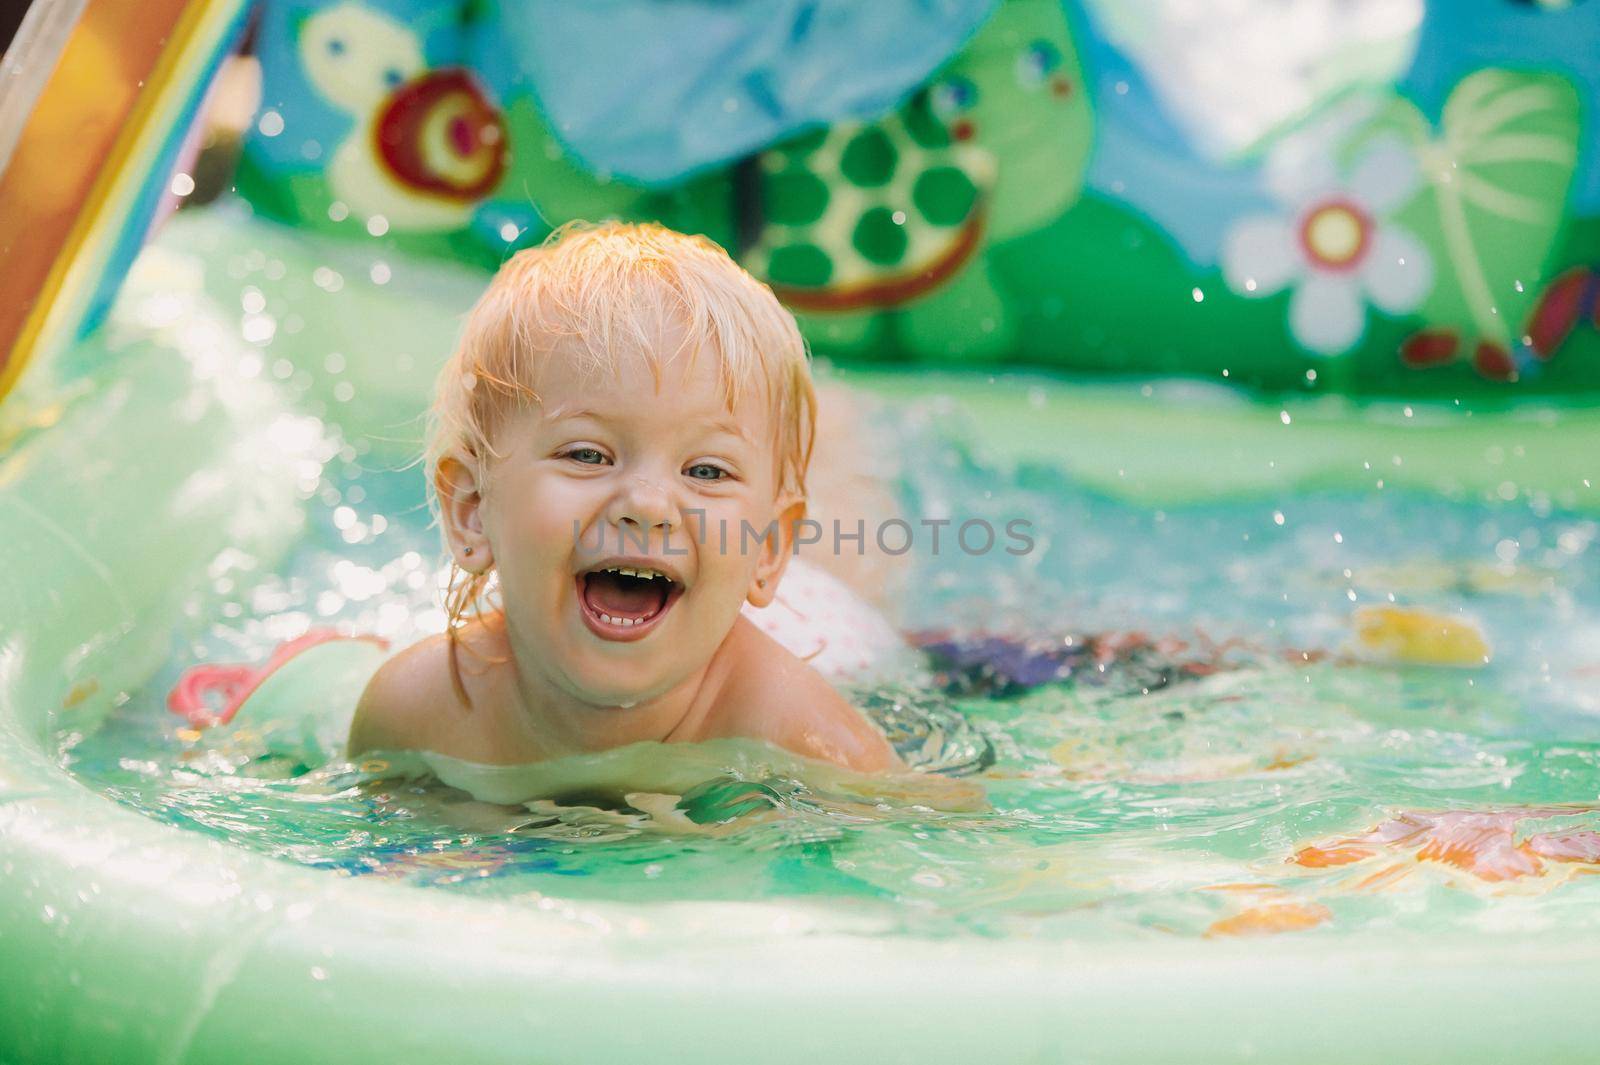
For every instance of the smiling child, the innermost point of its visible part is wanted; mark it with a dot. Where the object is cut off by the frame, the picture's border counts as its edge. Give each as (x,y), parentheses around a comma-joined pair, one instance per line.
(621,440)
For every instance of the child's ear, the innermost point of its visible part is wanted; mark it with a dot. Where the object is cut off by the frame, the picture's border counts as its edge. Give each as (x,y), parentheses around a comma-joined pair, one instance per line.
(461,513)
(775,552)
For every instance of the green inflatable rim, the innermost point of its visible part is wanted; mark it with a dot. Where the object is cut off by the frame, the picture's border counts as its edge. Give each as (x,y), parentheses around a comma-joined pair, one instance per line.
(1121,437)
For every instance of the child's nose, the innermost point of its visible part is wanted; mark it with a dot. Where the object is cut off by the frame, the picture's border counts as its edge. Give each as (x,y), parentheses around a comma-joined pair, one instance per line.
(645,502)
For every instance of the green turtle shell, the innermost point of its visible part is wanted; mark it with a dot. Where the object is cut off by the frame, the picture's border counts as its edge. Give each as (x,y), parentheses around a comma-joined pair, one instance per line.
(868,214)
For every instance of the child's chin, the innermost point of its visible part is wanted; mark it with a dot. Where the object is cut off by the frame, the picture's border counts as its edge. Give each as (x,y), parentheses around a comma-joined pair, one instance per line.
(606,688)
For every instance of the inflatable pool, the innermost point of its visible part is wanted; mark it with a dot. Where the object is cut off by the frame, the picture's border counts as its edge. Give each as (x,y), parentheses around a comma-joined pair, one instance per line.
(1286,727)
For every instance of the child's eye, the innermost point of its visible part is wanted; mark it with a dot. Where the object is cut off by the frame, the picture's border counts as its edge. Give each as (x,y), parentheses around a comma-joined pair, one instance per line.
(589,456)
(707,471)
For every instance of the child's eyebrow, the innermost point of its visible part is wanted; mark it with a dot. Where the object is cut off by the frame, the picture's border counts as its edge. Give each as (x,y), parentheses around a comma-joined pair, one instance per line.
(561,411)
(732,428)
(723,425)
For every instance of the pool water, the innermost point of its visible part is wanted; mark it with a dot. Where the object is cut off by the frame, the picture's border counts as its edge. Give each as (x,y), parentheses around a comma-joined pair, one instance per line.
(1175,728)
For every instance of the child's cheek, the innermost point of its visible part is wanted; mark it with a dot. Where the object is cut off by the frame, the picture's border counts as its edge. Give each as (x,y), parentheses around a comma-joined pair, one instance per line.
(732,533)
(557,514)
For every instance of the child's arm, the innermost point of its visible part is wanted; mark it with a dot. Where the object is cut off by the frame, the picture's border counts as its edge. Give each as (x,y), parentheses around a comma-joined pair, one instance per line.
(392,713)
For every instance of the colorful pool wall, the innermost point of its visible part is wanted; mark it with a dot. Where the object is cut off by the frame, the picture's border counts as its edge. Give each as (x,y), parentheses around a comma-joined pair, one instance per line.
(1384,196)
(1387,195)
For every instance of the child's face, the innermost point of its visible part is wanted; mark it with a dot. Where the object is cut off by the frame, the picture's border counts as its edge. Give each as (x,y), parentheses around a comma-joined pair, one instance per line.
(611,471)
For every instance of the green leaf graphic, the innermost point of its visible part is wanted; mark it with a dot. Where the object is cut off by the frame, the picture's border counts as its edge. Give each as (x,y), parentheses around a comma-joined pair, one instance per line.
(1496,174)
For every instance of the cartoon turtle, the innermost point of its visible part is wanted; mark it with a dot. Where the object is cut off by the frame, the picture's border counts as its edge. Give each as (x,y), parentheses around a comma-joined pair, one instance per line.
(879,232)
(426,146)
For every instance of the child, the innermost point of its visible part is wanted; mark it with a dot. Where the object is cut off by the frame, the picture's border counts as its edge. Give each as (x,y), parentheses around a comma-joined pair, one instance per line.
(622,438)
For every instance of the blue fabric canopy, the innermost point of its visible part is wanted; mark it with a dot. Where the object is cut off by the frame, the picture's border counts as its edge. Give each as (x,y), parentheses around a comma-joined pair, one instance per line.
(653,90)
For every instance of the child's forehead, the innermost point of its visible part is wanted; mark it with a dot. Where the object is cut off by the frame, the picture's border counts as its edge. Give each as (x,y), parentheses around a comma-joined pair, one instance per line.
(581,370)
(687,400)
(559,375)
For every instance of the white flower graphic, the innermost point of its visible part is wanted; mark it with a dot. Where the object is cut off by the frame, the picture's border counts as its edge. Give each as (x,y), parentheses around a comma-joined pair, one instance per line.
(1335,244)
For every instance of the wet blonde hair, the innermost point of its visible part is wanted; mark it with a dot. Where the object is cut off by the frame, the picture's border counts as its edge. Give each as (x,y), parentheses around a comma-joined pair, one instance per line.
(597,293)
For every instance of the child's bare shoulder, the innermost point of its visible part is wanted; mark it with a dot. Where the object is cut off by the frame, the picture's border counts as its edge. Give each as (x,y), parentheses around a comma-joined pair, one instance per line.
(399,710)
(770,694)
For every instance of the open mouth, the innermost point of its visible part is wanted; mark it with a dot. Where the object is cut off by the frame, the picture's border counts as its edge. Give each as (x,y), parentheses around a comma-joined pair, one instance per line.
(621,602)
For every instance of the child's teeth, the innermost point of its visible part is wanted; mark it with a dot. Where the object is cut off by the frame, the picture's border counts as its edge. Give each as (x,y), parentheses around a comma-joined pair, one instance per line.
(629,571)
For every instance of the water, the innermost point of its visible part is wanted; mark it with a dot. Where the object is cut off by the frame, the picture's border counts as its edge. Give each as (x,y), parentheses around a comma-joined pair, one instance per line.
(1164,708)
